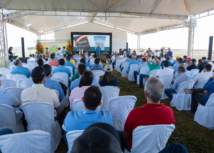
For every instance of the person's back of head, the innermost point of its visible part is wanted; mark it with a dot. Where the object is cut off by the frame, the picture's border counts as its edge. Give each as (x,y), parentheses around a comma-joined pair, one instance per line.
(92,98)
(144,60)
(47,69)
(40,62)
(157,62)
(38,75)
(61,62)
(166,63)
(181,69)
(167,58)
(31,55)
(86,79)
(40,56)
(193,61)
(185,57)
(204,59)
(59,48)
(68,58)
(52,56)
(154,90)
(207,68)
(17,62)
(81,69)
(97,61)
(82,61)
(180,60)
(95,56)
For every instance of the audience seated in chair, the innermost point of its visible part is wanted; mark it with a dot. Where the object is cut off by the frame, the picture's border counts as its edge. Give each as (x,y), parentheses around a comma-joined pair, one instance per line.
(200,96)
(53,62)
(97,66)
(62,68)
(76,76)
(85,82)
(133,61)
(8,98)
(204,62)
(89,115)
(39,93)
(209,60)
(182,78)
(168,60)
(144,63)
(108,79)
(19,69)
(40,62)
(70,62)
(175,66)
(165,71)
(31,59)
(51,84)
(154,66)
(193,65)
(151,113)
(186,71)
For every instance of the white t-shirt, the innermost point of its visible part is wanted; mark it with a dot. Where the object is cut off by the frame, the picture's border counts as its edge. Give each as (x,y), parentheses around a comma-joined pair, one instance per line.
(157,54)
(202,76)
(165,71)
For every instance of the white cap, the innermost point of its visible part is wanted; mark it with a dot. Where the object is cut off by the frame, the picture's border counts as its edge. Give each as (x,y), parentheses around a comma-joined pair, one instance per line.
(108,68)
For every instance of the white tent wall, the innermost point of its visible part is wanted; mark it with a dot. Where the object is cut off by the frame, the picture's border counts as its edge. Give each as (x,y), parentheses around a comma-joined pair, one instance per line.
(119,38)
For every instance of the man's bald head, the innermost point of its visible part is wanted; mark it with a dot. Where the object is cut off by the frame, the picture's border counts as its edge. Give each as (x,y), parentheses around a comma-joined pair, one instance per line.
(17,62)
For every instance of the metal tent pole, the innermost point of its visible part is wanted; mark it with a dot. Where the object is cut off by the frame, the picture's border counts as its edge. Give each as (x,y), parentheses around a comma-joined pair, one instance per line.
(191,34)
(138,42)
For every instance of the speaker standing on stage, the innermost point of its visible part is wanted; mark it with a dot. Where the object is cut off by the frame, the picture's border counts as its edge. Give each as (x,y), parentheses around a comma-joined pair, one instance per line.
(98,49)
(46,52)
(10,54)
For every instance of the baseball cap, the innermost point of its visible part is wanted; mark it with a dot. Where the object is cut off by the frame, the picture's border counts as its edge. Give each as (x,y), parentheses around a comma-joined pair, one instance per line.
(204,58)
(177,57)
(98,138)
(38,72)
(108,68)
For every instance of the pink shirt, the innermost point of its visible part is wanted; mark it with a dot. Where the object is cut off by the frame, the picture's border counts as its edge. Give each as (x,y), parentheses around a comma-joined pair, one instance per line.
(53,63)
(77,93)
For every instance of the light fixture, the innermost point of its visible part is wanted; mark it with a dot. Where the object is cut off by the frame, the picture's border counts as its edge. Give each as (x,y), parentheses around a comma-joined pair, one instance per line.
(28,25)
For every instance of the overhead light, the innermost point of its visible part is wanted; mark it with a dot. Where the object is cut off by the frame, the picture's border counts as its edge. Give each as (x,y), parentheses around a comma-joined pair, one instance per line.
(28,25)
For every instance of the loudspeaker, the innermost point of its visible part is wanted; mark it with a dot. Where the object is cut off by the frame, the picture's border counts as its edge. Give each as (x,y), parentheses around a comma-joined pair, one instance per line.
(23,47)
(23,59)
(127,46)
(210,51)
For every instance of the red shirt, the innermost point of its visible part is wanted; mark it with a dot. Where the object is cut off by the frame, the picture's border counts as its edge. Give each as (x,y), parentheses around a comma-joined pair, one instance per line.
(149,114)
(53,63)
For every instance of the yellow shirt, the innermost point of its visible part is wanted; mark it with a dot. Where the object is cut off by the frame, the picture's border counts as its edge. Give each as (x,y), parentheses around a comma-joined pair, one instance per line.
(72,61)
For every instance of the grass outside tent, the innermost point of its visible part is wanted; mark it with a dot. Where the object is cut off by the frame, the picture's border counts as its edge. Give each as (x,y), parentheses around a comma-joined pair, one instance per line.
(193,136)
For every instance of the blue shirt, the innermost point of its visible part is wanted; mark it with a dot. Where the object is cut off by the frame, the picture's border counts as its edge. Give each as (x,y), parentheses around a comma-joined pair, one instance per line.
(51,84)
(169,53)
(170,64)
(62,68)
(21,70)
(98,49)
(105,83)
(182,78)
(175,62)
(75,83)
(68,63)
(134,61)
(87,64)
(187,72)
(210,87)
(128,60)
(63,51)
(142,64)
(139,60)
(201,66)
(99,64)
(175,67)
(97,67)
(81,120)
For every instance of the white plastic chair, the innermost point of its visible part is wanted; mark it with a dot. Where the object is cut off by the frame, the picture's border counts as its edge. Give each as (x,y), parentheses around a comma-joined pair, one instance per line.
(117,65)
(166,79)
(40,116)
(108,92)
(205,114)
(200,84)
(181,100)
(71,137)
(151,139)
(143,70)
(194,72)
(25,83)
(120,108)
(71,70)
(62,76)
(78,105)
(97,74)
(17,77)
(33,142)
(15,91)
(133,67)
(9,119)
(125,68)
(7,83)
(153,73)
(3,70)
(57,79)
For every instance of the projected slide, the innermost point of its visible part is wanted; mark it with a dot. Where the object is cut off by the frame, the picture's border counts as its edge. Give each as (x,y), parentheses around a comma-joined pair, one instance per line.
(90,42)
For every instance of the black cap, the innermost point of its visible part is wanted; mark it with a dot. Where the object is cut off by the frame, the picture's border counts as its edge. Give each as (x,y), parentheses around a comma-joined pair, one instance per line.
(38,72)
(204,58)
(98,138)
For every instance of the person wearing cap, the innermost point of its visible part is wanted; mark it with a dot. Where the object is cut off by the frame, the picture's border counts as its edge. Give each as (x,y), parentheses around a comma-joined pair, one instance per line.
(63,50)
(51,84)
(53,62)
(62,68)
(68,63)
(31,59)
(204,62)
(175,61)
(133,61)
(182,78)
(175,67)
(19,69)
(193,65)
(76,120)
(80,69)
(108,79)
(98,138)
(165,71)
(97,65)
(38,92)
(152,113)
(209,60)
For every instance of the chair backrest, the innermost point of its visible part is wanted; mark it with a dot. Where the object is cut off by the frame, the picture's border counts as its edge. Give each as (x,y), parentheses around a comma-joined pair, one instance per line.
(186,85)
(133,67)
(58,80)
(108,92)
(71,137)
(144,70)
(153,72)
(3,70)
(78,105)
(15,91)
(200,84)
(32,142)
(167,79)
(7,83)
(151,139)
(97,74)
(63,76)
(25,83)
(71,69)
(194,71)
(210,102)
(120,108)
(17,77)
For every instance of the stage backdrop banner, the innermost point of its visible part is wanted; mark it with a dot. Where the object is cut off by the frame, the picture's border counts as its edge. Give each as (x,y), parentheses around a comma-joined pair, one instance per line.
(53,46)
